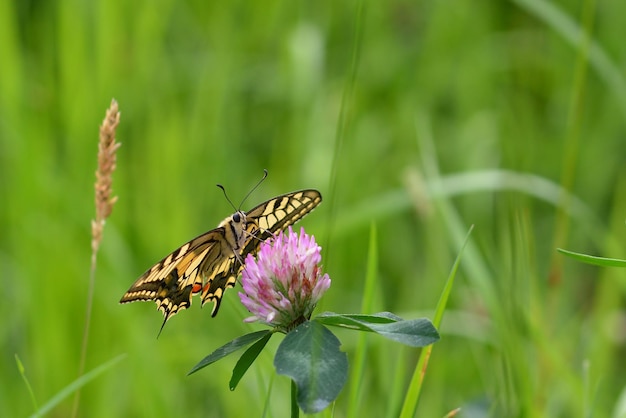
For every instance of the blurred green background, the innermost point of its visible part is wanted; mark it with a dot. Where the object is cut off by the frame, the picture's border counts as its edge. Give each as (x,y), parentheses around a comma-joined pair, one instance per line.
(416,118)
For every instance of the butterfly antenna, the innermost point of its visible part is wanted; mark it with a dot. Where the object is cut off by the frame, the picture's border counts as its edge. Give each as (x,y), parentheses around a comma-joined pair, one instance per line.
(254,188)
(249,193)
(226,196)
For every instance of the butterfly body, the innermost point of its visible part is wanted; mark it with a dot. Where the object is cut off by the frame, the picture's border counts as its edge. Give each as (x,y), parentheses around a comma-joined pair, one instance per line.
(210,263)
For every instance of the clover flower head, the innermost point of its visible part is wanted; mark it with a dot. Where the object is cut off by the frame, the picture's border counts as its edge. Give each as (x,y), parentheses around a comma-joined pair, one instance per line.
(284,283)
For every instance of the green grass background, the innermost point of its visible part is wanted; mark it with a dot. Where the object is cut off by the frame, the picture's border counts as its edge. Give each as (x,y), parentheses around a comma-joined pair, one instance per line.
(421,118)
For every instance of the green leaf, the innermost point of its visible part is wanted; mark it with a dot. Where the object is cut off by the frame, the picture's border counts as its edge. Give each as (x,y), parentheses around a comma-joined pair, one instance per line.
(229,348)
(310,356)
(75,385)
(246,360)
(412,332)
(357,321)
(590,259)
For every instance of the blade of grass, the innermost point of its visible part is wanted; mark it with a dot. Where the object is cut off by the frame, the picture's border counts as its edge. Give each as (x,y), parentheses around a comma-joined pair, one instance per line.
(22,371)
(77,384)
(342,123)
(268,390)
(570,30)
(574,126)
(358,364)
(590,259)
(400,374)
(412,397)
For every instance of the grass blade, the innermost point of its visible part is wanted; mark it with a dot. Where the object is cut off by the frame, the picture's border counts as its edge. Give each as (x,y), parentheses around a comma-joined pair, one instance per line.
(358,364)
(22,371)
(77,384)
(590,259)
(415,387)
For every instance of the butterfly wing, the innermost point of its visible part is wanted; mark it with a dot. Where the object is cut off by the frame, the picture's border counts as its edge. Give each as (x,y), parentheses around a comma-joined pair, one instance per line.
(212,261)
(172,281)
(262,222)
(279,213)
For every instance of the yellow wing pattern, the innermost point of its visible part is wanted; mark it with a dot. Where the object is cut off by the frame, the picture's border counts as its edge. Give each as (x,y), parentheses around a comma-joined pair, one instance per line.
(211,262)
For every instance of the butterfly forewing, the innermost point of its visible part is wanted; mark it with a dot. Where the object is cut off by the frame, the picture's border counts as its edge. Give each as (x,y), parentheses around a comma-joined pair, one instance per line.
(279,213)
(211,262)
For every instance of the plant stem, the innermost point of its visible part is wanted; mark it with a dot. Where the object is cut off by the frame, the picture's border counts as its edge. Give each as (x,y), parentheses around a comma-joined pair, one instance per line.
(83,349)
(295,410)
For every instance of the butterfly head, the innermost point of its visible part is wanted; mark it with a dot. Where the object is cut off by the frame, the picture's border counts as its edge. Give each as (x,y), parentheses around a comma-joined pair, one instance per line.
(236,229)
(238,217)
(235,222)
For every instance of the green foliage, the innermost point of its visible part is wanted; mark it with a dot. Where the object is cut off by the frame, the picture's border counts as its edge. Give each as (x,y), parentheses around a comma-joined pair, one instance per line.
(246,360)
(75,385)
(311,357)
(598,261)
(412,332)
(415,387)
(232,346)
(22,371)
(505,115)
(310,353)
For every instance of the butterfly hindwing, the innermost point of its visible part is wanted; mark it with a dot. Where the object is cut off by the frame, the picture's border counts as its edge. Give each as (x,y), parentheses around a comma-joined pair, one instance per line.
(211,262)
(172,281)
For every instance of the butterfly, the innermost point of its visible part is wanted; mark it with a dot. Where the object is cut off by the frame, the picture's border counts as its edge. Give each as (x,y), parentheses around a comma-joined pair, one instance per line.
(210,263)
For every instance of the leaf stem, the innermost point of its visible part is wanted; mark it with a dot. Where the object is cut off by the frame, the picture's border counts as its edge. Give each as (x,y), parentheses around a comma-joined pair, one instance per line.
(295,410)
